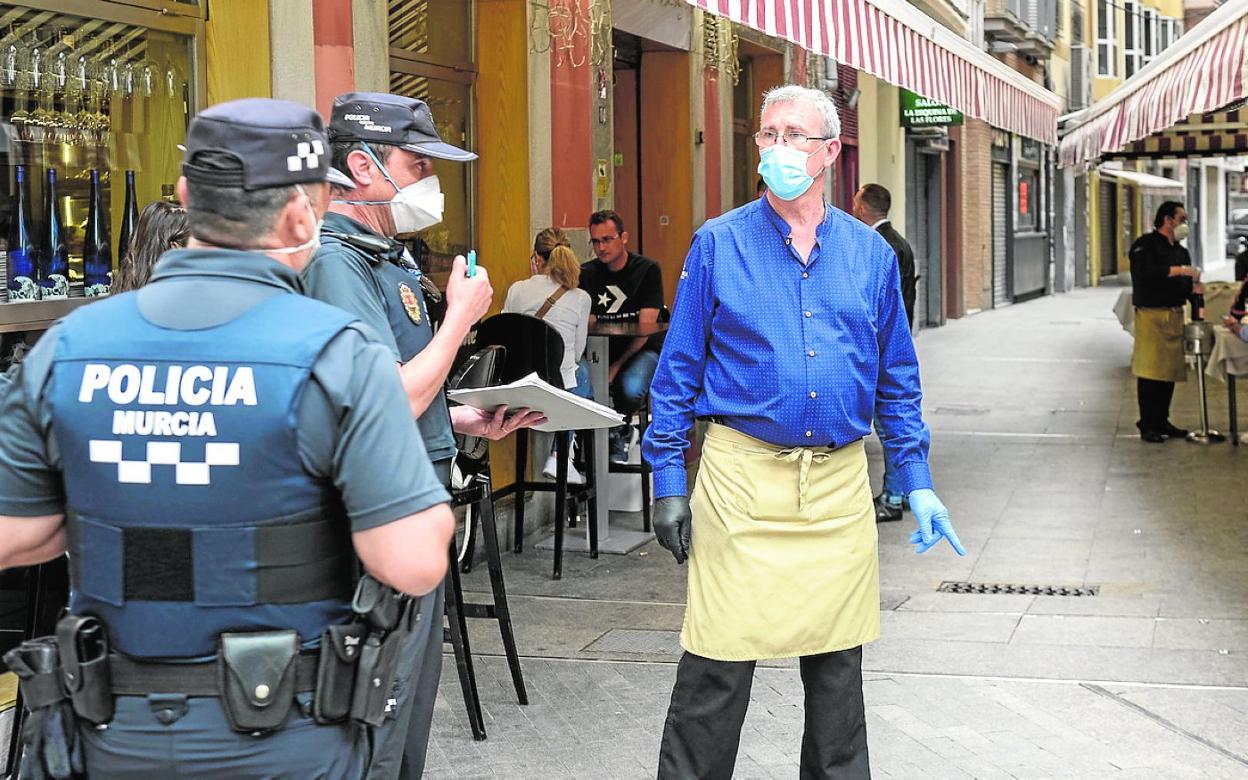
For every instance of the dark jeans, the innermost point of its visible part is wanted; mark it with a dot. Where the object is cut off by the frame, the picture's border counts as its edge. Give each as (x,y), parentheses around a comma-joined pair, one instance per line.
(1154,396)
(709,701)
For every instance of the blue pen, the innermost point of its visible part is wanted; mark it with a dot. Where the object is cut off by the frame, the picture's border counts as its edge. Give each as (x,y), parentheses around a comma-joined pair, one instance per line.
(472,262)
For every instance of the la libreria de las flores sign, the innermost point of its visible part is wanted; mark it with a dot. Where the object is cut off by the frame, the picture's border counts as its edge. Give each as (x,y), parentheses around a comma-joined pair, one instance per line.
(918,111)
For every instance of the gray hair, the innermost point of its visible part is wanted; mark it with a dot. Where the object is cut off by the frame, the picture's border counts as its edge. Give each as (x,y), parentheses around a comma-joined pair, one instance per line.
(792,93)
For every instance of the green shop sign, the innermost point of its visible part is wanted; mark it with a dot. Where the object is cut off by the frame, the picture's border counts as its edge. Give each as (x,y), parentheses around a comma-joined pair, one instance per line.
(919,111)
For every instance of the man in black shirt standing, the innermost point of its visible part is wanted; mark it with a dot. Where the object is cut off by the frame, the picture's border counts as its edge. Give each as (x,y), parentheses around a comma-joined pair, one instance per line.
(871,205)
(1162,279)
(623,287)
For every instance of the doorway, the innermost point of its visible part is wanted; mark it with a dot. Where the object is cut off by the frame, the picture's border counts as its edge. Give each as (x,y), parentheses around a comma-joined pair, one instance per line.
(925,229)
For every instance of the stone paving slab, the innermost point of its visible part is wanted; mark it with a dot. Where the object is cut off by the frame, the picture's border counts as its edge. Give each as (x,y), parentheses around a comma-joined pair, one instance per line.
(604,719)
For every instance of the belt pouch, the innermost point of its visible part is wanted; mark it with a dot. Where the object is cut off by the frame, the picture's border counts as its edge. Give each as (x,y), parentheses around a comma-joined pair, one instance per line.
(335,671)
(83,644)
(375,678)
(258,678)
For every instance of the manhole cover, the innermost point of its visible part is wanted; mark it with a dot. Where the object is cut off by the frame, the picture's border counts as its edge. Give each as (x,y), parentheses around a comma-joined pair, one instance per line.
(1006,588)
(637,640)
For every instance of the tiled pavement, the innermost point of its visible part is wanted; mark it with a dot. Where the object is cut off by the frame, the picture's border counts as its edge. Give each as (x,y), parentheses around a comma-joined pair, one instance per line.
(1032,411)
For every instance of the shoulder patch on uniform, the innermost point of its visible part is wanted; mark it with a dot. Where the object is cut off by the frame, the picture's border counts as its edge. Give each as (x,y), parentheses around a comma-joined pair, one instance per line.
(411,303)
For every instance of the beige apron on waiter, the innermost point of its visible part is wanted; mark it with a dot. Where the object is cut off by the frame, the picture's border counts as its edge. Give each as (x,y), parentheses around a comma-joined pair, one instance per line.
(1158,350)
(783,560)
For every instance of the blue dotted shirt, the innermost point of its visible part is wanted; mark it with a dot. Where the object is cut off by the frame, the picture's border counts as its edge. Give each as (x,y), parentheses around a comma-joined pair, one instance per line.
(792,354)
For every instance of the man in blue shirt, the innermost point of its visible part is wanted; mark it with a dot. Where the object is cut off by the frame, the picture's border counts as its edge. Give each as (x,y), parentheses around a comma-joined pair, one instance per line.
(788,334)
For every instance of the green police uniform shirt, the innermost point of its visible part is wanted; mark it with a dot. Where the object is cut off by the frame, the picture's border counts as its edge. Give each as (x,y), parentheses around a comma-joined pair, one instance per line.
(388,300)
(354,420)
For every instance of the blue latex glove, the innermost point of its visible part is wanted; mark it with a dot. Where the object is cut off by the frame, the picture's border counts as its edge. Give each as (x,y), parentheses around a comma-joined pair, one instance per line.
(934,524)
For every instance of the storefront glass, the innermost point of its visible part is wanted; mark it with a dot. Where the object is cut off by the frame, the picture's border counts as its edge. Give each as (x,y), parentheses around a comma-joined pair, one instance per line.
(80,95)
(431,58)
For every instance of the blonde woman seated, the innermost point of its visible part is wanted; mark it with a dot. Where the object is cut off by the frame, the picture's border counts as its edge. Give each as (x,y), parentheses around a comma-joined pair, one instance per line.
(552,294)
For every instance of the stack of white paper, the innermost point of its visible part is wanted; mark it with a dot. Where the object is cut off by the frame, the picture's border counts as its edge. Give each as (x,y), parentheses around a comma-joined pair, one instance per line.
(564,411)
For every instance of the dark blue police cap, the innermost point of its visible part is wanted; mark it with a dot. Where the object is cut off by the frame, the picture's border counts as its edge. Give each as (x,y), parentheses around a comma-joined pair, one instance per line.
(279,143)
(391,119)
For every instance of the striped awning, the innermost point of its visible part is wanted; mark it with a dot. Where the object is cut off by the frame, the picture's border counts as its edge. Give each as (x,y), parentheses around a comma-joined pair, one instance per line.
(1217,134)
(894,41)
(1205,72)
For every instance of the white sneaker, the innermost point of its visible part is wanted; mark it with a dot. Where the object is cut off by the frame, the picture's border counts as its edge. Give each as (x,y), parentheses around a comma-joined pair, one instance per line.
(552,463)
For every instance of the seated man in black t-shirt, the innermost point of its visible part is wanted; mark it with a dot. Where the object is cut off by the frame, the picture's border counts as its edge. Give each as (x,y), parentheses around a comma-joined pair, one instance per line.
(623,287)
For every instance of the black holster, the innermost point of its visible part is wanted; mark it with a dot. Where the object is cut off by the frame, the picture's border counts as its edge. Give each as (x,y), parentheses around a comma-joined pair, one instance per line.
(83,644)
(258,678)
(51,748)
(341,647)
(390,616)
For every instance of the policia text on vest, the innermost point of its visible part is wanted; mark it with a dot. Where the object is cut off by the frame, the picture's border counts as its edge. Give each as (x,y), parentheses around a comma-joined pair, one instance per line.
(208,451)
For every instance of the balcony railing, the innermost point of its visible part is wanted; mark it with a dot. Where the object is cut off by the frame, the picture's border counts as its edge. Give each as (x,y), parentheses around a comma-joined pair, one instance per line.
(1026,26)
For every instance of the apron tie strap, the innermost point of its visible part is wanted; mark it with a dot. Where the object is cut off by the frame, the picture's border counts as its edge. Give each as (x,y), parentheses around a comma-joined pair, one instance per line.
(804,456)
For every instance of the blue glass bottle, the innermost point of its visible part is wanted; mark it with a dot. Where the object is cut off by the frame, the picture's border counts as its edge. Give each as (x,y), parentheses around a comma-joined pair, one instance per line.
(23,271)
(97,249)
(53,254)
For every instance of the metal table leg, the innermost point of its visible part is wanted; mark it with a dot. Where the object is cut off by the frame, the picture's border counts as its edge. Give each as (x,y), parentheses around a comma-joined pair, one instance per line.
(1233,405)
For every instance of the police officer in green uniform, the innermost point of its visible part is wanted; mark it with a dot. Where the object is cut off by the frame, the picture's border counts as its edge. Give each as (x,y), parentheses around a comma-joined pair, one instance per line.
(209,449)
(385,146)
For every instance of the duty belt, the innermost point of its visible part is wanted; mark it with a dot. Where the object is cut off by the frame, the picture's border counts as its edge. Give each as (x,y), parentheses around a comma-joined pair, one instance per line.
(140,678)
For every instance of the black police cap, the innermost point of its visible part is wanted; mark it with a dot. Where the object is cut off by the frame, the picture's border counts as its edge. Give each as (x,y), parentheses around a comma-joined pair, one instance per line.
(391,119)
(277,143)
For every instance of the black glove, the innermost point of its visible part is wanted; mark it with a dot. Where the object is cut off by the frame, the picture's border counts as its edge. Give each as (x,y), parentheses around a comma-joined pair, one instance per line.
(49,732)
(672,523)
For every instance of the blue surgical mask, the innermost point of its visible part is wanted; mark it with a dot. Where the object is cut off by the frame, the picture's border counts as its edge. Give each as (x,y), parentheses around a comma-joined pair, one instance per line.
(783,168)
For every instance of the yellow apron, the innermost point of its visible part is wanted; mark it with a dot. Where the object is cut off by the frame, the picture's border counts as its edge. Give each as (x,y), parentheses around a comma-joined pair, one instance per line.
(783,560)
(1158,351)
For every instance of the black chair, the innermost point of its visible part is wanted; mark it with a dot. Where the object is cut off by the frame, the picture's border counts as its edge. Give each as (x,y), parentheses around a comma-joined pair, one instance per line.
(642,467)
(481,369)
(534,346)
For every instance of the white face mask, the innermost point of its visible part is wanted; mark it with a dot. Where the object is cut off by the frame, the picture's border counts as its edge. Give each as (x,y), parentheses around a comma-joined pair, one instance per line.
(1181,232)
(415,207)
(418,205)
(313,243)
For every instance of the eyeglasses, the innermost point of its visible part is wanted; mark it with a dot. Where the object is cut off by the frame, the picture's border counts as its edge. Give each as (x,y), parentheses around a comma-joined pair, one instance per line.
(603,241)
(766,138)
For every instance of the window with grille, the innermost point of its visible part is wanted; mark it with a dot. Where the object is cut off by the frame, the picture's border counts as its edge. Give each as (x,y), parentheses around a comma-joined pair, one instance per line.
(1106,45)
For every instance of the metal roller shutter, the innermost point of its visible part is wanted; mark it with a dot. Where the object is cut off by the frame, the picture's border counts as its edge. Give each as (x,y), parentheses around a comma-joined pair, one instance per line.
(1000,236)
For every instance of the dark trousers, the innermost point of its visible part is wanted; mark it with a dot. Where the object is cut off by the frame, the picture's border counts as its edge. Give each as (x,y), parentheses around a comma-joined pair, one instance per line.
(703,729)
(401,742)
(1154,396)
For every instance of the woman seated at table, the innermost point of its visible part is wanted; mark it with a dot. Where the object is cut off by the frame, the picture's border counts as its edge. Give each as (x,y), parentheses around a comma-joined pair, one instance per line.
(552,294)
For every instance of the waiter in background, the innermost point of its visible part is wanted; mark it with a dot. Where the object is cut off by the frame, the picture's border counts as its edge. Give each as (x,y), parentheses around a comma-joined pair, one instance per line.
(1163,280)
(871,205)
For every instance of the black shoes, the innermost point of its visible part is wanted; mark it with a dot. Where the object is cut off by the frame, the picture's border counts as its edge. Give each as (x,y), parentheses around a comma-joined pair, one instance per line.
(1174,432)
(1170,431)
(885,511)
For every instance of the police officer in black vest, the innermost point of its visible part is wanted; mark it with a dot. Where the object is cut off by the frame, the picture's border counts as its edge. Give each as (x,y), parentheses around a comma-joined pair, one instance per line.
(385,146)
(209,450)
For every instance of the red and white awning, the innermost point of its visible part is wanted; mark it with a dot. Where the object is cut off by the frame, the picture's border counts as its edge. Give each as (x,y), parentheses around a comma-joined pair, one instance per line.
(1204,71)
(894,41)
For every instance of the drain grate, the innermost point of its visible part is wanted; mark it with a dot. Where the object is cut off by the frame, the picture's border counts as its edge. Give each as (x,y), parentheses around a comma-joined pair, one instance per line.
(950,586)
(637,640)
(961,410)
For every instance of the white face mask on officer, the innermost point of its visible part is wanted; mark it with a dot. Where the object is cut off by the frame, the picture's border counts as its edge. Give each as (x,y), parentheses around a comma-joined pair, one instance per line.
(312,244)
(413,208)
